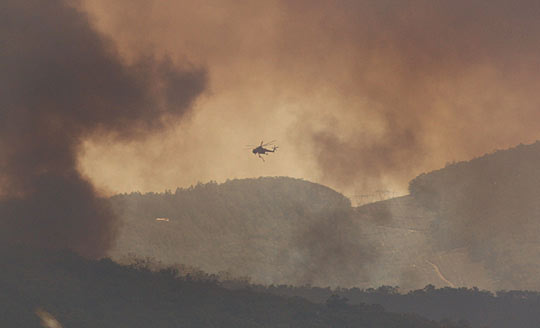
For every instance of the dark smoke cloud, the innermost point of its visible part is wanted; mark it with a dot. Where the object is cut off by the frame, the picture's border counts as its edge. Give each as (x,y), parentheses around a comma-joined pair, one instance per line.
(62,82)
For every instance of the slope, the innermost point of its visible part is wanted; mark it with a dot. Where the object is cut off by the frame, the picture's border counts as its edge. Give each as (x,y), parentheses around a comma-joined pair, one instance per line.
(275,230)
(488,209)
(83,293)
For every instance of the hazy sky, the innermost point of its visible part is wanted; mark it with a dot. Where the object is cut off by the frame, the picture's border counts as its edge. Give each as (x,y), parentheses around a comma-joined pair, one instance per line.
(361,95)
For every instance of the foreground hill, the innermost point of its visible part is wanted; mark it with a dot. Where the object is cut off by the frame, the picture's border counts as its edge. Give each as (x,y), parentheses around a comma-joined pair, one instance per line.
(275,230)
(83,293)
(504,309)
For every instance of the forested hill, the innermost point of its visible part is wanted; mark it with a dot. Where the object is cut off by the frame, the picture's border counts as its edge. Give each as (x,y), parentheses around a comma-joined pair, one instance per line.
(69,291)
(490,208)
(469,224)
(472,223)
(271,229)
(480,308)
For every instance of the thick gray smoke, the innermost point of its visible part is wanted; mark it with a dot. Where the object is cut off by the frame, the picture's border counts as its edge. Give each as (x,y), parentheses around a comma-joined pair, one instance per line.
(62,82)
(332,250)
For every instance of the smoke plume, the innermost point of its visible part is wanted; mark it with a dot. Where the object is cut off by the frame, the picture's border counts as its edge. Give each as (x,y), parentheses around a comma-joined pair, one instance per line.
(332,250)
(429,80)
(63,82)
(361,95)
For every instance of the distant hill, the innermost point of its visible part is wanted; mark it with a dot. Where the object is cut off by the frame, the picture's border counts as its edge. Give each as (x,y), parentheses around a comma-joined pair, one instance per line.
(283,231)
(473,223)
(80,293)
(401,231)
(275,230)
(489,208)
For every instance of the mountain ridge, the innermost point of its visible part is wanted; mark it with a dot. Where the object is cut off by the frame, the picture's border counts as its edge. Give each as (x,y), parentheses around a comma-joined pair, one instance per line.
(456,228)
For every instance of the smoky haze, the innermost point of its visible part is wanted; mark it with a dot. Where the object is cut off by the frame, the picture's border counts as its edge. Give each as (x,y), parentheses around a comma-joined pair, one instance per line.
(63,82)
(361,95)
(333,251)
(440,77)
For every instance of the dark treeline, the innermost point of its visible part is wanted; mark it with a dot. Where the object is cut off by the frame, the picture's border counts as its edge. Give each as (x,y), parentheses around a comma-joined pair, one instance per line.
(100,293)
(479,308)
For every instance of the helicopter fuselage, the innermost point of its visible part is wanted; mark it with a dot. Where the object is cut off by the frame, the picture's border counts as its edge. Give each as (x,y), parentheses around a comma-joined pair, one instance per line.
(262,150)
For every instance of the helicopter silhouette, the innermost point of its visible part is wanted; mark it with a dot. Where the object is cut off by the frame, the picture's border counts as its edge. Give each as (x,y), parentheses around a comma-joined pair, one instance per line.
(261,150)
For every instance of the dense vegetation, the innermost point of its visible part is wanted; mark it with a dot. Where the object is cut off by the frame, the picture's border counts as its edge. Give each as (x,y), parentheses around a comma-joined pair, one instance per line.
(490,207)
(82,293)
(480,308)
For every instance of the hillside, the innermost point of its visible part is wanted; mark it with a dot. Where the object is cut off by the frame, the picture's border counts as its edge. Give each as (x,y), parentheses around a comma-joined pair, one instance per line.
(288,231)
(283,231)
(472,224)
(274,230)
(400,230)
(489,209)
(83,293)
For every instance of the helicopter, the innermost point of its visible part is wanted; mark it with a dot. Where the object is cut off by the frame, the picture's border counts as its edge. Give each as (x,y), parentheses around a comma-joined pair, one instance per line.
(261,150)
